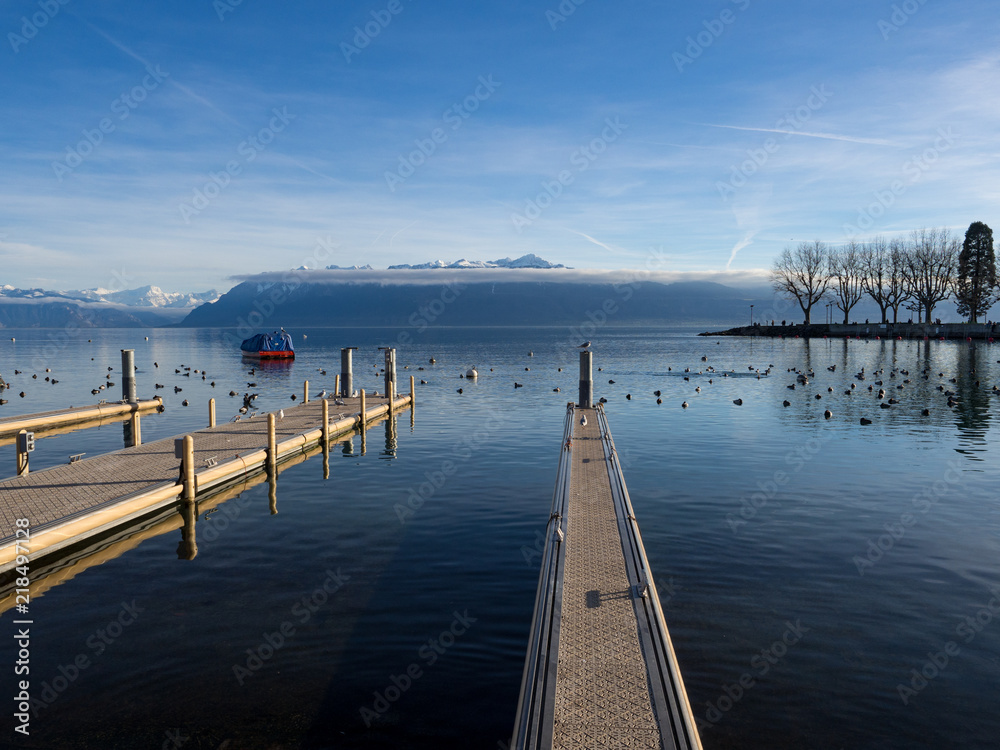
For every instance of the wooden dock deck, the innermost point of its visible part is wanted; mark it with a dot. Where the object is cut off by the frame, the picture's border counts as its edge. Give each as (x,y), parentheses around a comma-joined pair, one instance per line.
(64,420)
(600,670)
(68,504)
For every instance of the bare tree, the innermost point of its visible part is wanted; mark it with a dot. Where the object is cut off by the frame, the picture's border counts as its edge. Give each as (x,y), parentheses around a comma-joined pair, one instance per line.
(883,274)
(802,274)
(931,264)
(846,271)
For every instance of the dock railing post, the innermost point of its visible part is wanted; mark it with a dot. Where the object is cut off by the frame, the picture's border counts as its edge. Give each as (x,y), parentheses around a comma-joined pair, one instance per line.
(211,412)
(188,465)
(22,443)
(136,423)
(128,376)
(346,371)
(272,446)
(305,392)
(586,379)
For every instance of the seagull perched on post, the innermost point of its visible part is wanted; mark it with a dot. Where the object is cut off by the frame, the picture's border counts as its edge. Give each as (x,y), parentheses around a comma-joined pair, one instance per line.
(584,345)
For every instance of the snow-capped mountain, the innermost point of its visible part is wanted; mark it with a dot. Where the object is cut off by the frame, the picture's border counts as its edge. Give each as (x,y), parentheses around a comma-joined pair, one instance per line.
(525,261)
(366,267)
(147,296)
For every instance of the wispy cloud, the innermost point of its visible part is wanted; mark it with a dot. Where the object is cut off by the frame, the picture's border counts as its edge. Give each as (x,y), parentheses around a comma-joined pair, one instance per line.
(825,136)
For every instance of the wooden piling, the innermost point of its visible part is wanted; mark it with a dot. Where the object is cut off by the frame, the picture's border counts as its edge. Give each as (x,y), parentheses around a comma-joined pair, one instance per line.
(305,392)
(362,416)
(326,422)
(413,398)
(336,386)
(190,489)
(272,446)
(136,428)
(211,412)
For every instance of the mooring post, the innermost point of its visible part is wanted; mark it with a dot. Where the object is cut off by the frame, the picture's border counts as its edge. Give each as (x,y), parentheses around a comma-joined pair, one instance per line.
(211,412)
(326,439)
(586,379)
(413,398)
(336,385)
(272,446)
(128,376)
(346,371)
(136,428)
(390,374)
(188,464)
(362,425)
(305,392)
(24,445)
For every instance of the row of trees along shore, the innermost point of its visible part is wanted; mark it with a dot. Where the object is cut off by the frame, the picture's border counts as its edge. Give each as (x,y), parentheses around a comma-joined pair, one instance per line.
(918,273)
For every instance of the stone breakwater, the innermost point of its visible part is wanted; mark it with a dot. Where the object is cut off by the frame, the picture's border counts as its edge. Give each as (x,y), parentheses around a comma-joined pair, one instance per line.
(956,331)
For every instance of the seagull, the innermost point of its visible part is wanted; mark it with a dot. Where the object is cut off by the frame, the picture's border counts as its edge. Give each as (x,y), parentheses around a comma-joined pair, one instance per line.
(583,420)
(584,345)
(281,413)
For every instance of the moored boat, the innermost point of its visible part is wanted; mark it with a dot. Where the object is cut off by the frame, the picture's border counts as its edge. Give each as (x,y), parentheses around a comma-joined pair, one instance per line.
(275,345)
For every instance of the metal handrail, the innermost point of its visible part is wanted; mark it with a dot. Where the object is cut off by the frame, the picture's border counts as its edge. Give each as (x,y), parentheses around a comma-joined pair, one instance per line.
(533,724)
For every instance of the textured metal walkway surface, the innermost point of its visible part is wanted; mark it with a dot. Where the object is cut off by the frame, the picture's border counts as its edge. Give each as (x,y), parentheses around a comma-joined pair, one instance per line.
(64,491)
(602,692)
(600,670)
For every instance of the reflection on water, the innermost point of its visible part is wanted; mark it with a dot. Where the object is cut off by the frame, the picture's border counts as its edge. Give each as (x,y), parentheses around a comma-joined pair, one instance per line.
(824,492)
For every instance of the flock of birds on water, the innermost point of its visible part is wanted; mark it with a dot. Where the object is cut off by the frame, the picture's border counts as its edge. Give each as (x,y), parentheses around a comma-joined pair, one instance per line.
(889,384)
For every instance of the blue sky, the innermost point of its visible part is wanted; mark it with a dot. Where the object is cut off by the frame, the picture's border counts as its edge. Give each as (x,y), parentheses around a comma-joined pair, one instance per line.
(671,136)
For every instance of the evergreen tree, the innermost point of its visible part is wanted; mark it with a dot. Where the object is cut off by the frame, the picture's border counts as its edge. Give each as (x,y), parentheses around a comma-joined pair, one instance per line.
(975,285)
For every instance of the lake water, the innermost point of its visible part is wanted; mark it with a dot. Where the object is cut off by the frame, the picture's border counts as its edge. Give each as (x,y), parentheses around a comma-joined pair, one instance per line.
(807,565)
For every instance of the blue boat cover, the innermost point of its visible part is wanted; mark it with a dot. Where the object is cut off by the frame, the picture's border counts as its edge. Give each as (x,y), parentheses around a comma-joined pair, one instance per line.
(278,341)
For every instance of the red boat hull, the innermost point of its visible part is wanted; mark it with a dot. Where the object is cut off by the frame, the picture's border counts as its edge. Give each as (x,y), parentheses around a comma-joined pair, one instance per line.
(269,355)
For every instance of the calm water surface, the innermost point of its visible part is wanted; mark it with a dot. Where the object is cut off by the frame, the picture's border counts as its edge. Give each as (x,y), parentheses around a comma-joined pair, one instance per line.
(818,560)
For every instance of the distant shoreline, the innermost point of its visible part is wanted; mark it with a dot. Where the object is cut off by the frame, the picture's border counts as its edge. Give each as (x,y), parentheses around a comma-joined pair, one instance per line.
(909,331)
